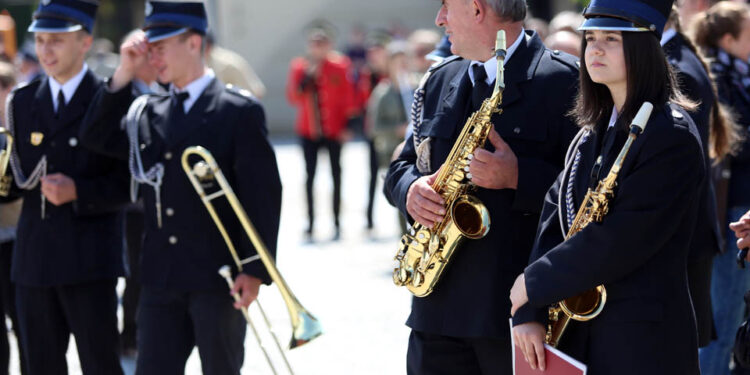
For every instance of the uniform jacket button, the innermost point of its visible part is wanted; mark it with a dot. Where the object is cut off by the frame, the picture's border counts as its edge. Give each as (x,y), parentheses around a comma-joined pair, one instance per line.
(172,240)
(517,130)
(169,211)
(168,155)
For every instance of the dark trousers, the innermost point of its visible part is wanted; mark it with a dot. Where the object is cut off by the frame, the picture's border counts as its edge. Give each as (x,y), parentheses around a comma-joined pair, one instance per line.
(171,323)
(310,149)
(134,237)
(8,306)
(48,315)
(430,354)
(373,180)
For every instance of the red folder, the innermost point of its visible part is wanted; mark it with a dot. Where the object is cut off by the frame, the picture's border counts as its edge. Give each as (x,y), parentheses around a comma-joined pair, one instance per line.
(557,363)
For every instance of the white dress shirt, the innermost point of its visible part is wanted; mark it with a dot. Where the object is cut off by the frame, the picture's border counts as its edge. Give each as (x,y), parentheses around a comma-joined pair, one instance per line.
(68,88)
(491,65)
(194,89)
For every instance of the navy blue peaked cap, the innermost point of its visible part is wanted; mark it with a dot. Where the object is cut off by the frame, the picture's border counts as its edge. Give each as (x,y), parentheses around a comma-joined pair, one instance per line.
(167,19)
(627,15)
(62,16)
(441,51)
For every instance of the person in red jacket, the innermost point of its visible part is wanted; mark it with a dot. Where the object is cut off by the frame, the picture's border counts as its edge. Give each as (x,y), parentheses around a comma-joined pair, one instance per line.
(319,86)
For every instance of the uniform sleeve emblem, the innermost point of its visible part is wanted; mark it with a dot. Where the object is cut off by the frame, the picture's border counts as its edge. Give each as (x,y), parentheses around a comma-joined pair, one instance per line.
(36,138)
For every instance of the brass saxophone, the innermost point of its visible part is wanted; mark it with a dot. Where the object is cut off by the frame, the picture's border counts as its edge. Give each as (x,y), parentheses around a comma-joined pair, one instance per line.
(424,253)
(595,206)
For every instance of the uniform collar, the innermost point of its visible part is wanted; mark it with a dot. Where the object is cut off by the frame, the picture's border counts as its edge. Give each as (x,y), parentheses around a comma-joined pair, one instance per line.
(613,117)
(194,89)
(490,66)
(668,35)
(68,88)
(148,88)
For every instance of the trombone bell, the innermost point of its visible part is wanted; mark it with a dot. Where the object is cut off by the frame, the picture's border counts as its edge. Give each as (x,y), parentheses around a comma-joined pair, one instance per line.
(306,329)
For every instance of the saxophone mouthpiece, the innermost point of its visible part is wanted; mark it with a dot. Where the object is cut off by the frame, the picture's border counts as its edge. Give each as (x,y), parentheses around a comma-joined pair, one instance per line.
(500,45)
(500,54)
(641,118)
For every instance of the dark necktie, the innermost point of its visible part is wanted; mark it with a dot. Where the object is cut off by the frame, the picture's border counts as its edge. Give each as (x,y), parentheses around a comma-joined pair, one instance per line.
(179,101)
(177,112)
(480,86)
(60,102)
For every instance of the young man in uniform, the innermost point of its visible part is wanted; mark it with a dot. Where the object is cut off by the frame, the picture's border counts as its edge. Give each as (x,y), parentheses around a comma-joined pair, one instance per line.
(184,302)
(462,327)
(69,246)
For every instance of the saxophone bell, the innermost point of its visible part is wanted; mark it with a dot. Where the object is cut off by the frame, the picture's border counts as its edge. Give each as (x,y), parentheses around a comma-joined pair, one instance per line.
(470,216)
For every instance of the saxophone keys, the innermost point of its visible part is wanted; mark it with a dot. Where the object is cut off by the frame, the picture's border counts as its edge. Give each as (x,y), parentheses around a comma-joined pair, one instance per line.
(423,236)
(417,279)
(434,244)
(401,276)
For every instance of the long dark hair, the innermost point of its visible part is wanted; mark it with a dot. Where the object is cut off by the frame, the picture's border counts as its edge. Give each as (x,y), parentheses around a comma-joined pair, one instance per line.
(724,137)
(649,78)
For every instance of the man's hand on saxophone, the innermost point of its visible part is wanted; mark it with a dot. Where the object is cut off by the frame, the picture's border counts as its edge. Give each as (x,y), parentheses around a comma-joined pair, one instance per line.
(495,170)
(423,204)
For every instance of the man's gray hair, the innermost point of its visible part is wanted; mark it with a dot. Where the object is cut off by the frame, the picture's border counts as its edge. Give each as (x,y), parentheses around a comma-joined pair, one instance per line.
(508,10)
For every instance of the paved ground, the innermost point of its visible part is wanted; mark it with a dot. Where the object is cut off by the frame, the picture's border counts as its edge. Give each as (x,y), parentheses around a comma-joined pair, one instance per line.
(346,284)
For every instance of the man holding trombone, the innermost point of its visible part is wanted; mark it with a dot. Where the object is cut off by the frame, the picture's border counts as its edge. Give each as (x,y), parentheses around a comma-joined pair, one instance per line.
(184,301)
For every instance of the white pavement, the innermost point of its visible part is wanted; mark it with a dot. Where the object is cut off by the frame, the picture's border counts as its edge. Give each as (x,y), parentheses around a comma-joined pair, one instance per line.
(345,284)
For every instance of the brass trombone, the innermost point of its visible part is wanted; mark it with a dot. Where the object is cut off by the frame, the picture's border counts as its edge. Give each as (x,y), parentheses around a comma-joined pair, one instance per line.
(5,179)
(305,327)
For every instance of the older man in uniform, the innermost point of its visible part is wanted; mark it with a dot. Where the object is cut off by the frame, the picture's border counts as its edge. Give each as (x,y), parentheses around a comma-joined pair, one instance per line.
(68,251)
(462,327)
(184,302)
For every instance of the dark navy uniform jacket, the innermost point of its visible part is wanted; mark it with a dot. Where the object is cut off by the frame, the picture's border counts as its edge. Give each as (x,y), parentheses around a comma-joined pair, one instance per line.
(736,97)
(696,85)
(638,252)
(186,252)
(707,239)
(79,241)
(471,299)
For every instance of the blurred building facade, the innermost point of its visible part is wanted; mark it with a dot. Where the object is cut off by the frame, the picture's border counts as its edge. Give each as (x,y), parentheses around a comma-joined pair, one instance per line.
(269,35)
